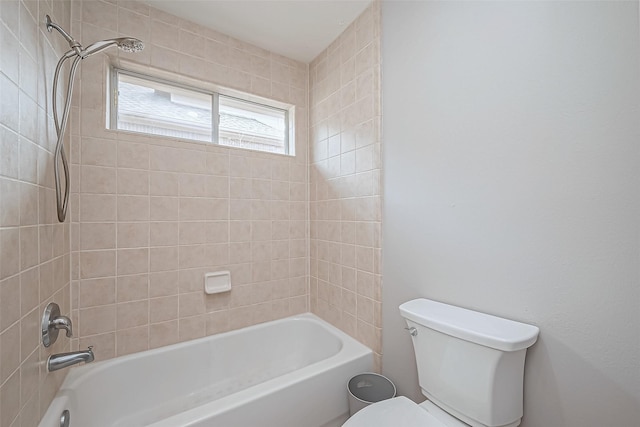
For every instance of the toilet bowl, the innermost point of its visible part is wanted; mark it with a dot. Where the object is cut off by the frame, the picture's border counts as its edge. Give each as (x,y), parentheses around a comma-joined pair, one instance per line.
(402,412)
(470,368)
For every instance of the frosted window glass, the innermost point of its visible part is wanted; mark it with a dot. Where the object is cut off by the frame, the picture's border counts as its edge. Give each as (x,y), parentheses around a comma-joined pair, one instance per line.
(254,126)
(160,109)
(157,107)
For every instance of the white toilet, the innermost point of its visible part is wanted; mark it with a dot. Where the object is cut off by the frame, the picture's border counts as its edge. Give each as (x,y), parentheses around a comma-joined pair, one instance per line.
(470,367)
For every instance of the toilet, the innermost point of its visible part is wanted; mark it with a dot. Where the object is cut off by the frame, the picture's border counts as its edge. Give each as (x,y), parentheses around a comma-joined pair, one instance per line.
(470,368)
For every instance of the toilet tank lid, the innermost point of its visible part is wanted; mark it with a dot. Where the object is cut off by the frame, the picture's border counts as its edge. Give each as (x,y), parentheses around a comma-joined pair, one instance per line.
(480,328)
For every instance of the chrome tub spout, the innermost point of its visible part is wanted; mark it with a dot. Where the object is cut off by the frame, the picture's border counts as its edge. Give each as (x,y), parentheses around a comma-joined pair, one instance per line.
(63,360)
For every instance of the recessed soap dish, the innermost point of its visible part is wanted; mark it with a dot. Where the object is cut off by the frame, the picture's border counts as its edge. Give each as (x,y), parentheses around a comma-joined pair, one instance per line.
(216,282)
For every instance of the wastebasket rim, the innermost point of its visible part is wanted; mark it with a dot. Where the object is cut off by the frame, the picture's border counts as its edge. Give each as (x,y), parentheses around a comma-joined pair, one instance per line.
(375,374)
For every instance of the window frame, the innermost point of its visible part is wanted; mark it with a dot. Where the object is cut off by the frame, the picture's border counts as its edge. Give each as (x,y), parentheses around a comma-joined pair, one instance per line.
(112,122)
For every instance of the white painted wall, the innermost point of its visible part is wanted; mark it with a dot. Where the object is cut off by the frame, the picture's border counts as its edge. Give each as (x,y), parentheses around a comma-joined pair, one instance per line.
(512,186)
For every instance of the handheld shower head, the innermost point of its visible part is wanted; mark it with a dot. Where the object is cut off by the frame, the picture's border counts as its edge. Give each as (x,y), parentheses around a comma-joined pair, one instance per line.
(127,44)
(130,45)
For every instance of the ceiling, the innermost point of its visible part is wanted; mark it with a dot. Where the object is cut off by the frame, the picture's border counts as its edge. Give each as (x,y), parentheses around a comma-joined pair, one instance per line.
(298,29)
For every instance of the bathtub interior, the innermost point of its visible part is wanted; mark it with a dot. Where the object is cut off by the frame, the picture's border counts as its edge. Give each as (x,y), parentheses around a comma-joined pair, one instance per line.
(148,387)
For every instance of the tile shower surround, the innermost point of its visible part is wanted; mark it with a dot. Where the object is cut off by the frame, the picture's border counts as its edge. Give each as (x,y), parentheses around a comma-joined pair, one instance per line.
(345,182)
(150,215)
(34,247)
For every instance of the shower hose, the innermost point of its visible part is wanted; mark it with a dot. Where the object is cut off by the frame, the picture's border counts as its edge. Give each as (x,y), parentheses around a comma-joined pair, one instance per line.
(62,197)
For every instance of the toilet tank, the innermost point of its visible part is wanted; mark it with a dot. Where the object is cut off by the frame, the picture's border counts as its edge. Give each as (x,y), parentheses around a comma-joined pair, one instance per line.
(470,364)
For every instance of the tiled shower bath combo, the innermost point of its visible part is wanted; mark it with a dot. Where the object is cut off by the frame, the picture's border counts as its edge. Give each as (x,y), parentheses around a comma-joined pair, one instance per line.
(149,216)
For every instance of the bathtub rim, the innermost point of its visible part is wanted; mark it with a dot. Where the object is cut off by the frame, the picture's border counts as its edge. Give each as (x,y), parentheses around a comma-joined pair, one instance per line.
(349,345)
(350,350)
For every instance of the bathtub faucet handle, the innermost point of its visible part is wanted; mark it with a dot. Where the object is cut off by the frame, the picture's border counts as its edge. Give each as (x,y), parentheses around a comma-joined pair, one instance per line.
(62,322)
(412,331)
(52,322)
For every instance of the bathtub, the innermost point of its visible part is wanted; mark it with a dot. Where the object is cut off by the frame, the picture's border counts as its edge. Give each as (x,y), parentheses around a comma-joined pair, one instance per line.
(285,373)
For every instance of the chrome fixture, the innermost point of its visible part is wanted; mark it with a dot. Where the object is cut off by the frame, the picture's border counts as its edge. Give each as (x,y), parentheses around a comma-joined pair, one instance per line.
(412,331)
(52,322)
(65,418)
(62,360)
(127,44)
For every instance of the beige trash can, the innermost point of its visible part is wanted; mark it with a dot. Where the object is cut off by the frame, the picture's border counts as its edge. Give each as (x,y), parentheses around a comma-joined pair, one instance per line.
(365,389)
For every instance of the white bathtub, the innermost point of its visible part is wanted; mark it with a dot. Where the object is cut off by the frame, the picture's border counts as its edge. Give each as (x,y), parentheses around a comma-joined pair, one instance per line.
(286,373)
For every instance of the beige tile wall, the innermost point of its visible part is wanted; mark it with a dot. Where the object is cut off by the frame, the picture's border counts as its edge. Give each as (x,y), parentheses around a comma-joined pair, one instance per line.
(151,215)
(34,247)
(345,182)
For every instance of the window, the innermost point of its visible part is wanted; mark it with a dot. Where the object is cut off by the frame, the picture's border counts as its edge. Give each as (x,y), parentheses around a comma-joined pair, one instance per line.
(147,105)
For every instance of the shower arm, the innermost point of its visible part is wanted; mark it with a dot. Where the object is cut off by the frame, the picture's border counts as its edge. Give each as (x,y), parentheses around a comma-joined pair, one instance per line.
(73,43)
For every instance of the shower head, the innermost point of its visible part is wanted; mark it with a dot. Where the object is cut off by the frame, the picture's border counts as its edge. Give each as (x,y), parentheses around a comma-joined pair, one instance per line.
(130,45)
(127,44)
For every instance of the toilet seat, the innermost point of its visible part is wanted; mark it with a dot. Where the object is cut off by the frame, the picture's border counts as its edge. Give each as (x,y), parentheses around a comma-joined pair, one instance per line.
(396,412)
